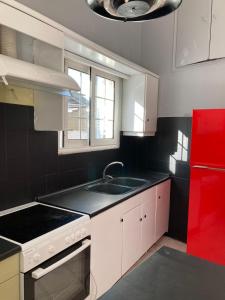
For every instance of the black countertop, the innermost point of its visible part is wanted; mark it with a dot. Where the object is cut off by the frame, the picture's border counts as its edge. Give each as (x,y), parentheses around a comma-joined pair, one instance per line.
(7,249)
(171,275)
(92,203)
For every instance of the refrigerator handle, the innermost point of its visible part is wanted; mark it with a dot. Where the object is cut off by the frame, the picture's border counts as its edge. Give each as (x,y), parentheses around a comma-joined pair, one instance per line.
(208,168)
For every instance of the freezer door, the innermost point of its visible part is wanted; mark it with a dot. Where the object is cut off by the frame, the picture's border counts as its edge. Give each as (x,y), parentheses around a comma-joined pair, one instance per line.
(206,220)
(208,138)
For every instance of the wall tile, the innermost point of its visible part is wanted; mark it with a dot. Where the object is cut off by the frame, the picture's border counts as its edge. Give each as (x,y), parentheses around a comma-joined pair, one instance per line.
(179,208)
(29,160)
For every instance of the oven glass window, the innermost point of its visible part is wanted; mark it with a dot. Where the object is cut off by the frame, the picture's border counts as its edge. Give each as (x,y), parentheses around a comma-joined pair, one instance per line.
(71,281)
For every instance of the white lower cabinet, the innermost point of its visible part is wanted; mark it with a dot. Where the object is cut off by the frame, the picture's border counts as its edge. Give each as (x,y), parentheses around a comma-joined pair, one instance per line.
(122,234)
(162,208)
(131,238)
(106,250)
(148,237)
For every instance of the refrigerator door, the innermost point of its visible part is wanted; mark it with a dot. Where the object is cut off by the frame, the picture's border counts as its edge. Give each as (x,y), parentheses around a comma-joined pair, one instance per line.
(206,224)
(208,138)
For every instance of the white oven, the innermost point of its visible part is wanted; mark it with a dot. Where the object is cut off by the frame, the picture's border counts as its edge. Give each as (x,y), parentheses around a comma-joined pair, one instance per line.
(55,251)
(65,276)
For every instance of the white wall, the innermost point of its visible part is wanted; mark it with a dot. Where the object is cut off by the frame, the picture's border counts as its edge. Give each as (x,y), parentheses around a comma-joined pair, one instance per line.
(198,86)
(122,38)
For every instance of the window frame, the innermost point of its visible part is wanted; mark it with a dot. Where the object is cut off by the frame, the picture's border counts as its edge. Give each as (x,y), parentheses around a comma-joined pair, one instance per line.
(116,119)
(93,144)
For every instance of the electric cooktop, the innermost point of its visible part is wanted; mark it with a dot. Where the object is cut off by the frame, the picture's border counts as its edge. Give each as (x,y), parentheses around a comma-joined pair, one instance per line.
(27,224)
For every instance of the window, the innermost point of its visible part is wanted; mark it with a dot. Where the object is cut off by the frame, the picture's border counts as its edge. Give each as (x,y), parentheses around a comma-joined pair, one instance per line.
(93,113)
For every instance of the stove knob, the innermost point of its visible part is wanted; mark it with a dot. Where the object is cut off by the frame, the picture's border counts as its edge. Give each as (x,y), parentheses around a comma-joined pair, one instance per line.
(51,250)
(36,257)
(68,240)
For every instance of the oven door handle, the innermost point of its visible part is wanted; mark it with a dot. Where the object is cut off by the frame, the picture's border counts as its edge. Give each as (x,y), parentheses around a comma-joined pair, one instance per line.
(37,274)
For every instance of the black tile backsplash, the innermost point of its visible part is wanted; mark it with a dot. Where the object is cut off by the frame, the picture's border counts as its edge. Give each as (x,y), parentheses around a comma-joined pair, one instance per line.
(30,164)
(29,160)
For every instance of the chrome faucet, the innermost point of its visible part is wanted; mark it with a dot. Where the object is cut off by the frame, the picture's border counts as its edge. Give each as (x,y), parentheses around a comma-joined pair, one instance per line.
(109,165)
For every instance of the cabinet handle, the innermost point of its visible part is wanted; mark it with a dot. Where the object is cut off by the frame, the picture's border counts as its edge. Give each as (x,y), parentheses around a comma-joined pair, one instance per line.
(145,216)
(121,220)
(159,197)
(141,219)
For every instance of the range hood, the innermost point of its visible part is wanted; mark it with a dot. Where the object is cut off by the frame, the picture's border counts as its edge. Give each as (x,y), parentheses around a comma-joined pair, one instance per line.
(18,72)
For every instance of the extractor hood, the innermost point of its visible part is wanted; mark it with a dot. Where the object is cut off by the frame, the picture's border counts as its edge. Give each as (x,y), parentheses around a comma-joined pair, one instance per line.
(18,72)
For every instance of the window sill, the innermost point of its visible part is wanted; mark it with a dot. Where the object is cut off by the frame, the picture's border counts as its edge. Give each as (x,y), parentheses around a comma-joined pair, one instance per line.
(65,151)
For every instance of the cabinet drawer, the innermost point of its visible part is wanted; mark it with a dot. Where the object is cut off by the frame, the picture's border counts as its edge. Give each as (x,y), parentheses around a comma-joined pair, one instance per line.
(9,268)
(22,22)
(9,290)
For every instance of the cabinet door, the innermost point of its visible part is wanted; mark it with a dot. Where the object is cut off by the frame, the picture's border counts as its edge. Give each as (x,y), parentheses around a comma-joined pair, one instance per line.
(162,208)
(148,220)
(131,238)
(9,290)
(106,249)
(193,32)
(151,103)
(133,104)
(22,22)
(217,45)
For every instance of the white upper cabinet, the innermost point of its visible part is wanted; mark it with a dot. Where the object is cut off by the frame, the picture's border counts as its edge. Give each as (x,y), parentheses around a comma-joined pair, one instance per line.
(217,45)
(22,22)
(140,101)
(193,31)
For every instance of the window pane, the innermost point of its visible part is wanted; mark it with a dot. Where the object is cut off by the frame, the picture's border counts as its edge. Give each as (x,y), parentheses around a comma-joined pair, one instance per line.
(100,87)
(104,108)
(109,129)
(85,84)
(99,129)
(84,124)
(79,107)
(100,108)
(74,106)
(74,134)
(110,87)
(76,75)
(109,110)
(84,107)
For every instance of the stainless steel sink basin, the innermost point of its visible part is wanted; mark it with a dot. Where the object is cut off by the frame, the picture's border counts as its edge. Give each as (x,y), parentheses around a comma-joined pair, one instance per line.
(128,181)
(117,185)
(108,188)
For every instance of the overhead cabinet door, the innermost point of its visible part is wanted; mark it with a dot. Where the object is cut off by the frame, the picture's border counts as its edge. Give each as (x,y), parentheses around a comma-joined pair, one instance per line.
(22,22)
(217,45)
(193,31)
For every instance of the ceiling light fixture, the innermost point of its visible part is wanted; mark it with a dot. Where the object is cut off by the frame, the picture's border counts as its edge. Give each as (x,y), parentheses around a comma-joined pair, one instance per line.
(133,10)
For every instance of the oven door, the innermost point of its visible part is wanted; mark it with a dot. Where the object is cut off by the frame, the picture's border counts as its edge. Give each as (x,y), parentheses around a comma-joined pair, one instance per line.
(65,276)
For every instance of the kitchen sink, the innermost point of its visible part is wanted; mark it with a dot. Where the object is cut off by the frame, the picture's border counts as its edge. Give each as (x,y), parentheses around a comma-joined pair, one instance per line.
(117,185)
(128,181)
(108,188)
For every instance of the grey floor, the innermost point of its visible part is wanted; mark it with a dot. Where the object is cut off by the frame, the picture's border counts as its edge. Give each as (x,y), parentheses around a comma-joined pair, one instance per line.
(164,241)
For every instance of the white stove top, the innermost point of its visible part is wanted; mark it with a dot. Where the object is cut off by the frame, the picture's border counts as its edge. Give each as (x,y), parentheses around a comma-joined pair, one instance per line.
(42,231)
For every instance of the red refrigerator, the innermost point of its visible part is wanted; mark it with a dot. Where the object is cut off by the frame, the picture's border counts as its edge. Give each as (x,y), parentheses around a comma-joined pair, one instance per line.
(206,219)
